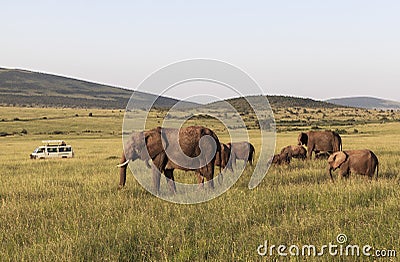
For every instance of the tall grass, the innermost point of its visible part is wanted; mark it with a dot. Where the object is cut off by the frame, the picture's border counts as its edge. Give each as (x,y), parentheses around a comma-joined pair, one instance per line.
(70,209)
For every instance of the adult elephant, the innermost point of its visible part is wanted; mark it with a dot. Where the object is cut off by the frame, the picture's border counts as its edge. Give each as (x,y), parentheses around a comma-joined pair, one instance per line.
(317,141)
(191,148)
(224,161)
(242,150)
(289,152)
(363,162)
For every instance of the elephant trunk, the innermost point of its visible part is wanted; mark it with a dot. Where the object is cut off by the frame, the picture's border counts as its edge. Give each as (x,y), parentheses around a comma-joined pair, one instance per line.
(330,173)
(122,171)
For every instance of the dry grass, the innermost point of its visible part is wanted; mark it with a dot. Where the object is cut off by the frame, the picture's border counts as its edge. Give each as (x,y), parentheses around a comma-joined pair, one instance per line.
(69,209)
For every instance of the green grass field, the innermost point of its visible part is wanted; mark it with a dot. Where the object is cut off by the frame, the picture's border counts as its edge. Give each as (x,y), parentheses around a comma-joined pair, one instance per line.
(70,209)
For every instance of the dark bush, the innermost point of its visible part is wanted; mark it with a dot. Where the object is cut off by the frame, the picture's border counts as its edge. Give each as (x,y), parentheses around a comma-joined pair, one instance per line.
(24,131)
(58,132)
(341,131)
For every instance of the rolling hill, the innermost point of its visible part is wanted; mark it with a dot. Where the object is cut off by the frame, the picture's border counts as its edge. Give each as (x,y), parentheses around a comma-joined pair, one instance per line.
(241,104)
(26,88)
(365,102)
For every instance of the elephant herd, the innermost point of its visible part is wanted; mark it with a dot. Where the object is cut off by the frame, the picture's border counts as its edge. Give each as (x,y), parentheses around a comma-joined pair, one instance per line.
(194,148)
(198,149)
(328,144)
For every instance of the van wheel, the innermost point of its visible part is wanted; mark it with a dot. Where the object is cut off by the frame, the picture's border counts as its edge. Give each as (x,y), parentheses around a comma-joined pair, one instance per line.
(64,157)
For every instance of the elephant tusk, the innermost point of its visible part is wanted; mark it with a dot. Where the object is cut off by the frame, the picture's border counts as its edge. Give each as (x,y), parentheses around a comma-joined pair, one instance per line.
(124,164)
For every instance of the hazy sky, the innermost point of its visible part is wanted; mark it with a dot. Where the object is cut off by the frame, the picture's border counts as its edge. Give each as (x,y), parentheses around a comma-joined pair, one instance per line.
(318,49)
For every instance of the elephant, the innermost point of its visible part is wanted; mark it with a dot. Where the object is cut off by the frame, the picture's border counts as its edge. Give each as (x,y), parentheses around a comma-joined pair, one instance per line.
(317,141)
(164,146)
(224,161)
(276,159)
(363,162)
(242,150)
(289,152)
(322,155)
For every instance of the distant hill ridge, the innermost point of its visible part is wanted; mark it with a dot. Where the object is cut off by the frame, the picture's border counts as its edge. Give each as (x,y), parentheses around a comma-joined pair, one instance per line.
(26,88)
(365,102)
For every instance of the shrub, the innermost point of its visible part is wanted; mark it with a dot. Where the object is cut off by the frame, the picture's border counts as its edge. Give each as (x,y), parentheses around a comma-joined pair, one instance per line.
(341,131)
(58,132)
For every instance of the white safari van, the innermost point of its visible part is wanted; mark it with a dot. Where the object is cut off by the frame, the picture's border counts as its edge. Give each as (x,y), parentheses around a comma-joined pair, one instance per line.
(53,149)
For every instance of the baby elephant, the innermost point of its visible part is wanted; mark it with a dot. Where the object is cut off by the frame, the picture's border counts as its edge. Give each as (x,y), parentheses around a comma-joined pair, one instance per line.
(363,162)
(289,152)
(322,155)
(277,159)
(243,151)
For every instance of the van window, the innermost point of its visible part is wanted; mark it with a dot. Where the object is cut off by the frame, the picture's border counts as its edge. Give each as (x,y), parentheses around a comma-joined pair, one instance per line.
(52,149)
(39,150)
(68,149)
(61,149)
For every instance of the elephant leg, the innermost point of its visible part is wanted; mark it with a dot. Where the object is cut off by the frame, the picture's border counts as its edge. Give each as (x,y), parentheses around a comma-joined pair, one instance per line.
(122,172)
(208,172)
(156,180)
(343,173)
(169,174)
(340,176)
(316,154)
(233,161)
(200,179)
(309,153)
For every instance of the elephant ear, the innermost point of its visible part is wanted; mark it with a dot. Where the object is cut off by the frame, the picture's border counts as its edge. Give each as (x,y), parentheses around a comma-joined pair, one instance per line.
(337,159)
(154,146)
(303,138)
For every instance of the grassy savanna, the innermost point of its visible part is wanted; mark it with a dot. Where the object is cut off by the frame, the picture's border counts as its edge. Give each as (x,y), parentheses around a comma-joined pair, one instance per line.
(69,209)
